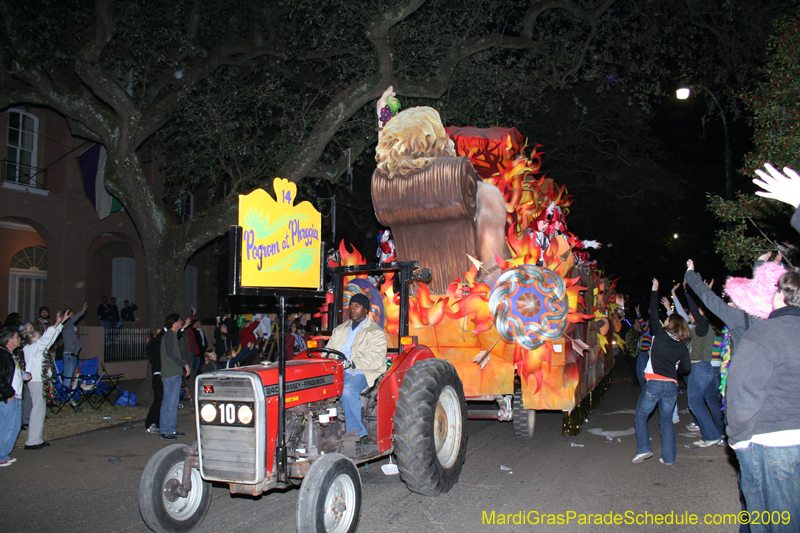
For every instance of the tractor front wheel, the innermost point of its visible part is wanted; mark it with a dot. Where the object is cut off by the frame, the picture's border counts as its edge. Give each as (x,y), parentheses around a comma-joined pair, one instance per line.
(429,437)
(330,497)
(161,507)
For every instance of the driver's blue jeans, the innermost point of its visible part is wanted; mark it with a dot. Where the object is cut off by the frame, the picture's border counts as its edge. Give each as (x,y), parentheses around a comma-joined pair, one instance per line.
(354,383)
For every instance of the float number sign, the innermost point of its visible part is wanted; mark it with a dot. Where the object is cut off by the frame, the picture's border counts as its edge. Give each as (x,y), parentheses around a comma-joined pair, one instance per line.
(280,240)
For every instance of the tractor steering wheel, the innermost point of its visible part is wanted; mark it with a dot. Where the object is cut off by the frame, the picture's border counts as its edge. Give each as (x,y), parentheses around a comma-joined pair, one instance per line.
(339,355)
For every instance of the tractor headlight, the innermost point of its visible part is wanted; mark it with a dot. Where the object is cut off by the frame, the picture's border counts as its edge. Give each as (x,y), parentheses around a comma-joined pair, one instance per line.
(245,414)
(208,413)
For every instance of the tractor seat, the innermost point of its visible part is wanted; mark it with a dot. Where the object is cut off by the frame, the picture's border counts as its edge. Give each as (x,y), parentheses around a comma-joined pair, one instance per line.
(369,390)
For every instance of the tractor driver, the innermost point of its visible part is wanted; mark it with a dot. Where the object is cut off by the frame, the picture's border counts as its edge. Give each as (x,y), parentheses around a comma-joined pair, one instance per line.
(364,343)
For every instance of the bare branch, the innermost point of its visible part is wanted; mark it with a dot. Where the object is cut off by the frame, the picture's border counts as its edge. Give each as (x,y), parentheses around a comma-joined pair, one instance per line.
(334,170)
(343,106)
(107,89)
(37,88)
(207,225)
(104,29)
(438,84)
(378,30)
(540,6)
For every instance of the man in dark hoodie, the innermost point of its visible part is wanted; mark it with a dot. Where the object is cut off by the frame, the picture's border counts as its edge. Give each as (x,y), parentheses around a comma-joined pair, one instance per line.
(763,406)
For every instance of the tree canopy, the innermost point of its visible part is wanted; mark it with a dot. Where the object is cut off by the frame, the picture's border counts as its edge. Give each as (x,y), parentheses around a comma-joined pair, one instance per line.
(237,93)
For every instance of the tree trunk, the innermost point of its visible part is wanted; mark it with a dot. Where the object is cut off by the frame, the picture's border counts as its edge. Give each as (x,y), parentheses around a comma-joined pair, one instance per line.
(165,255)
(166,284)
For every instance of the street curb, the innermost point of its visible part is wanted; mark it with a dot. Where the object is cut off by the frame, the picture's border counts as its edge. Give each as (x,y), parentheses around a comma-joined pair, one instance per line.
(113,426)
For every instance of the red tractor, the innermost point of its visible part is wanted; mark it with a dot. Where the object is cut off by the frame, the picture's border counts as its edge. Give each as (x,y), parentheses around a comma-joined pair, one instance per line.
(279,425)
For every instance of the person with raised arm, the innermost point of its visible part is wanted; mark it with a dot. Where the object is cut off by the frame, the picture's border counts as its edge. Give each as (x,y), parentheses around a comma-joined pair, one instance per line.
(40,368)
(669,353)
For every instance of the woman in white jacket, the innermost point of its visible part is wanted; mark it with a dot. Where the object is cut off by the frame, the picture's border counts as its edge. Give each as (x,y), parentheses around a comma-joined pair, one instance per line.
(38,344)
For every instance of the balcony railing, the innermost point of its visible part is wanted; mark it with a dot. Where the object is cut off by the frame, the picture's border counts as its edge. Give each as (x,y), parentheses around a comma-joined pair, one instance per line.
(125,344)
(23,175)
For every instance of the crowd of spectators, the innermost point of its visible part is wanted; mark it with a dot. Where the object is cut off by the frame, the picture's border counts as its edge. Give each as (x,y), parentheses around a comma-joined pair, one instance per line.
(743,381)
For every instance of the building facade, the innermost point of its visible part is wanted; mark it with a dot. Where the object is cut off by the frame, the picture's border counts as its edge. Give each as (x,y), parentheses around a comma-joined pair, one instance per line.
(55,250)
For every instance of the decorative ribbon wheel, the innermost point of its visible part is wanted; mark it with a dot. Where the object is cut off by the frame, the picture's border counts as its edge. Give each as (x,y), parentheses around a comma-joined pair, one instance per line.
(529,305)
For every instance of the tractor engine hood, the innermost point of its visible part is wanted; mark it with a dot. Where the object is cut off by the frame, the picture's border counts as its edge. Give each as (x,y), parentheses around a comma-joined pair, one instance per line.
(307,380)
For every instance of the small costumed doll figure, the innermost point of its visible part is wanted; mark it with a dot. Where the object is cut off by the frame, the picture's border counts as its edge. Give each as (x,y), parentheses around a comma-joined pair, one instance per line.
(579,248)
(544,228)
(385,251)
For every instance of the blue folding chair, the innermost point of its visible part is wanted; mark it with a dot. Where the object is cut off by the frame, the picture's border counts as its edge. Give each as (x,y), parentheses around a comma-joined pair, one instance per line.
(95,387)
(65,395)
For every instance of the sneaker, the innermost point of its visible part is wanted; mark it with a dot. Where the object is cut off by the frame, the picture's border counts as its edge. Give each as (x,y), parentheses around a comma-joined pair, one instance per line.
(179,434)
(12,459)
(167,436)
(663,463)
(692,427)
(706,443)
(37,446)
(676,420)
(5,463)
(640,457)
(152,429)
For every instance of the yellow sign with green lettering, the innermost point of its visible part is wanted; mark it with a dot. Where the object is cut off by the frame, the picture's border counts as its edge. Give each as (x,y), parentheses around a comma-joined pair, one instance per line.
(280,240)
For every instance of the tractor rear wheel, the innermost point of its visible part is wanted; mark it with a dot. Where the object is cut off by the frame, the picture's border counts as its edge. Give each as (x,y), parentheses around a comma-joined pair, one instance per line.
(524,419)
(330,497)
(429,438)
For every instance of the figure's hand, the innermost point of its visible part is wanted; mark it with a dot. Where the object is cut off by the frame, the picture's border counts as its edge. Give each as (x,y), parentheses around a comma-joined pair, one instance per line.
(655,284)
(778,258)
(675,288)
(689,265)
(382,102)
(346,363)
(782,187)
(709,285)
(637,310)
(187,370)
(85,306)
(665,303)
(194,313)
(68,315)
(59,317)
(764,257)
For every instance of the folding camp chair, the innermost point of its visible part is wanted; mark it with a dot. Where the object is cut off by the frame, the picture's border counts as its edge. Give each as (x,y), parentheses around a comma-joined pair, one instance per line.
(65,395)
(96,387)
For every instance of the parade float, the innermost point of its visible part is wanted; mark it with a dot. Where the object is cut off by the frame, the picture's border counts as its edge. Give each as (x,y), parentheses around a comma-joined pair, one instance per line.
(515,304)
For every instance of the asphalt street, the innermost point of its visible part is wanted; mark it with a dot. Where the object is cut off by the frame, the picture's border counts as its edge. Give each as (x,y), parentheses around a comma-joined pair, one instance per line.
(90,482)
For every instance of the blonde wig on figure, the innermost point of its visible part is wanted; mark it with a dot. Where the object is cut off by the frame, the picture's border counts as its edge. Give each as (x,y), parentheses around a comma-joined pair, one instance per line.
(412,140)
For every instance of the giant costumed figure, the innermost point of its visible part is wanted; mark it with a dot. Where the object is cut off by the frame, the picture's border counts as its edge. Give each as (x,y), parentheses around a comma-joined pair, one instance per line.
(510,305)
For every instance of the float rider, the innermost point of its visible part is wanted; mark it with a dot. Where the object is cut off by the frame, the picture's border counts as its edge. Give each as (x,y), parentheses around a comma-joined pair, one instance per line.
(364,344)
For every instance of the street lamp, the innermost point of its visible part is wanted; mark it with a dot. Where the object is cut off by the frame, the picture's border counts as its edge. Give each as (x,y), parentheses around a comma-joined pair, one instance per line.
(683,93)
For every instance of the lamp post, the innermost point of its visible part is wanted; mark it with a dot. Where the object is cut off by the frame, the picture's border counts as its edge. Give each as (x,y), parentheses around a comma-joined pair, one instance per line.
(683,93)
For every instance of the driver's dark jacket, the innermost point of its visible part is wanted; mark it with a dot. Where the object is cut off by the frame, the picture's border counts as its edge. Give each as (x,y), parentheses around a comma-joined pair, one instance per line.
(7,368)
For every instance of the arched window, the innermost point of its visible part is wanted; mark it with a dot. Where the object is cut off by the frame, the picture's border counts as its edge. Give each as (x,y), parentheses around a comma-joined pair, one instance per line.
(21,147)
(27,282)
(30,257)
